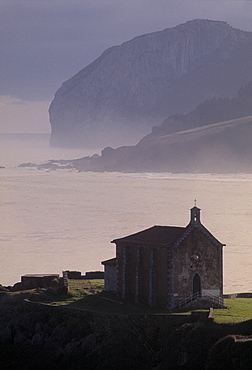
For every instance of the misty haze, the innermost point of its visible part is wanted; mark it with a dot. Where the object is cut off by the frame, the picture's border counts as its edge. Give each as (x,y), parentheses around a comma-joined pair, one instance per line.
(188,75)
(115,117)
(64,219)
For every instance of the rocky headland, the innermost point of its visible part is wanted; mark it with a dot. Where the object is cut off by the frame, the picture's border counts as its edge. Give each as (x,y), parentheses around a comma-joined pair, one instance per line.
(217,148)
(217,139)
(134,86)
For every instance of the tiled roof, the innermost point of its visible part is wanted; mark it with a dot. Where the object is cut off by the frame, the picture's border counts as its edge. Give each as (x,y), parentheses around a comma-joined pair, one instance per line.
(156,235)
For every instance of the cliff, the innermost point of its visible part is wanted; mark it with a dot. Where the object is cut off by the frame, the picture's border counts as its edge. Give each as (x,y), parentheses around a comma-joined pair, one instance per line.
(217,139)
(131,87)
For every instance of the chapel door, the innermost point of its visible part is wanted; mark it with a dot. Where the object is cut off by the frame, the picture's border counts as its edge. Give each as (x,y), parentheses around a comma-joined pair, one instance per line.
(196,284)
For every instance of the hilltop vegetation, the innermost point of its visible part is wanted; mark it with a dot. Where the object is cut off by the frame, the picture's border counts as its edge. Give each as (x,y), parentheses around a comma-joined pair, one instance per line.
(210,111)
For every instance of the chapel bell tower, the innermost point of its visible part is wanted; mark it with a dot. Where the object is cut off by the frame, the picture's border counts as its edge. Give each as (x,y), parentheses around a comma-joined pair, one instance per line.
(195,215)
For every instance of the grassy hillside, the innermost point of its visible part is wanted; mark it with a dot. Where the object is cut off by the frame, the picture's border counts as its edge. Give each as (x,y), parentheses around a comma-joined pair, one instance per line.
(89,295)
(238,310)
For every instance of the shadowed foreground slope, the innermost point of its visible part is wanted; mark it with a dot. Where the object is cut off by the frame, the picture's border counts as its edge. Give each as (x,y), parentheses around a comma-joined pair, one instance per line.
(47,337)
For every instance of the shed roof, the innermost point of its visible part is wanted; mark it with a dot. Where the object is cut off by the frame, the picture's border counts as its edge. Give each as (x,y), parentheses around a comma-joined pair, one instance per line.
(111,261)
(155,235)
(40,275)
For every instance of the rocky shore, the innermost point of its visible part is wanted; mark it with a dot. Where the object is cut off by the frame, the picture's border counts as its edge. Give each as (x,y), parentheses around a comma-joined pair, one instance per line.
(35,335)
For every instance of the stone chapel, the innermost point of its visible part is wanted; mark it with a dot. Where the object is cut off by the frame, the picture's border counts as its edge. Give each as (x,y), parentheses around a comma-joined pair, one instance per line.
(163,265)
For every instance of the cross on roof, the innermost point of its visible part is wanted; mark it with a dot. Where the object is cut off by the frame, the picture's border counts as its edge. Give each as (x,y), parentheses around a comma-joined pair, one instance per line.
(195,202)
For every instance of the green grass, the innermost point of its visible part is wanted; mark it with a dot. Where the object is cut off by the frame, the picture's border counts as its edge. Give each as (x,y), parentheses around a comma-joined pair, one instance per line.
(88,286)
(89,295)
(238,310)
(79,289)
(109,303)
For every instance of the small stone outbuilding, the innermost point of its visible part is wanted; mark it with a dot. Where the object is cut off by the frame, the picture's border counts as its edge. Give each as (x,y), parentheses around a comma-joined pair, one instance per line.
(163,265)
(32,281)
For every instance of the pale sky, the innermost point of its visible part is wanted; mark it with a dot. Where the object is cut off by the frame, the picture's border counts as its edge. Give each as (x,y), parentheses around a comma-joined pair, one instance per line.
(45,42)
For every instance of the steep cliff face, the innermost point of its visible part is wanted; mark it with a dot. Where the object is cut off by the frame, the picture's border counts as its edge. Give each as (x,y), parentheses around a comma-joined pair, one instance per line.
(131,87)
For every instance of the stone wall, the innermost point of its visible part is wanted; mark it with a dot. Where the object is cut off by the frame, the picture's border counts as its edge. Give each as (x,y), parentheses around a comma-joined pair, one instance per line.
(208,265)
(160,275)
(40,281)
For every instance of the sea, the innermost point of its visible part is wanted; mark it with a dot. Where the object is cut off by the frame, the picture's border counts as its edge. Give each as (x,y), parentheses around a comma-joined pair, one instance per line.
(52,221)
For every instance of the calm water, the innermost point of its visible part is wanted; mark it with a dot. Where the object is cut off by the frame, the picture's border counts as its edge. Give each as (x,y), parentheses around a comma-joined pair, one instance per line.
(52,221)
